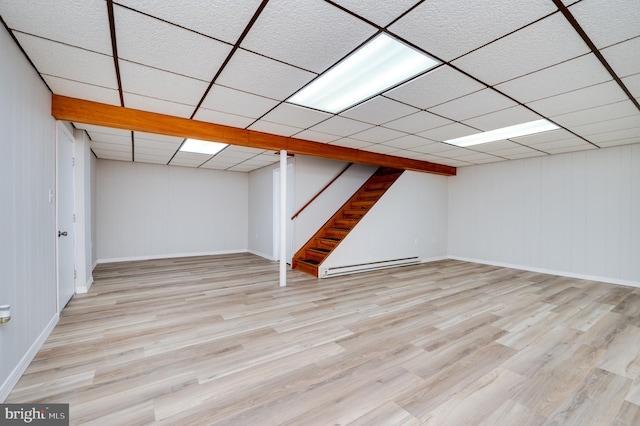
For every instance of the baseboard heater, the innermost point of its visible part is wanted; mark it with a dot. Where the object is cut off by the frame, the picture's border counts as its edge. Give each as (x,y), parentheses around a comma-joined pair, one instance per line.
(365,267)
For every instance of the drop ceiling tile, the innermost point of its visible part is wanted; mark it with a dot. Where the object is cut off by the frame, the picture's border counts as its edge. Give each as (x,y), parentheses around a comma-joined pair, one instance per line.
(478,103)
(545,43)
(581,99)
(633,84)
(379,110)
(312,135)
(310,35)
(435,87)
(630,122)
(156,146)
(535,140)
(243,168)
(100,130)
(450,131)
(188,159)
(268,158)
(263,76)
(476,157)
(434,148)
(145,81)
(454,163)
(223,118)
(112,155)
(158,44)
(599,138)
(232,156)
(145,103)
(573,141)
(608,23)
(231,101)
(274,128)
(151,159)
(597,114)
(496,146)
(378,135)
(159,139)
(74,89)
(418,122)
(583,147)
(443,27)
(527,155)
(408,142)
(106,146)
(124,140)
(503,118)
(379,148)
(619,142)
(223,20)
(351,143)
(381,13)
(243,149)
(341,126)
(77,23)
(71,63)
(567,76)
(624,57)
(516,150)
(152,152)
(296,116)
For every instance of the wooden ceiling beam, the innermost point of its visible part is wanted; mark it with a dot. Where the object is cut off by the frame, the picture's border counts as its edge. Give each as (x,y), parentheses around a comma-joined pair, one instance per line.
(87,112)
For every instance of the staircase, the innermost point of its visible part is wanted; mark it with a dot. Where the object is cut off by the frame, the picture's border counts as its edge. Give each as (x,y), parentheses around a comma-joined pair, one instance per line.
(316,250)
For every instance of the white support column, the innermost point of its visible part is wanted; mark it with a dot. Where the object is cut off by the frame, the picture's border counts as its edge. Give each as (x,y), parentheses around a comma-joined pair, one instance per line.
(283,218)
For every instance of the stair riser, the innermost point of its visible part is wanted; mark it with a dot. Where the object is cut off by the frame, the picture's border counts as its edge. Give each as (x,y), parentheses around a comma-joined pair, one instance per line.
(314,255)
(332,233)
(345,223)
(362,204)
(319,242)
(306,268)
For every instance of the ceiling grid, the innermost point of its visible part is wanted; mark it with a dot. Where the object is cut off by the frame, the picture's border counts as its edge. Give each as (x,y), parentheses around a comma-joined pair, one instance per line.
(574,63)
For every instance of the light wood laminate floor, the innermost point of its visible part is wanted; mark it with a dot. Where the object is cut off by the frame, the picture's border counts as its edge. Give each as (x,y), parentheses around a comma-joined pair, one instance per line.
(214,340)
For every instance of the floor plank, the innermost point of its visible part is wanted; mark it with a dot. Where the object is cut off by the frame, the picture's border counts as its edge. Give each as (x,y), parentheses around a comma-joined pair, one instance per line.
(214,340)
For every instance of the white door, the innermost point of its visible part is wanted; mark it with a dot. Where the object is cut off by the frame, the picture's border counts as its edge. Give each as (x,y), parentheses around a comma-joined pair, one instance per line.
(65,234)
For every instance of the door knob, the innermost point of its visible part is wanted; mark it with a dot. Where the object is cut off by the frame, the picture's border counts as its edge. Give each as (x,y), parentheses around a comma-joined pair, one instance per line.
(62,234)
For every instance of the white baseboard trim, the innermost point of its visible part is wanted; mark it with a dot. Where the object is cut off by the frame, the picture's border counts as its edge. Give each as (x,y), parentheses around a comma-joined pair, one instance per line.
(608,280)
(19,370)
(84,289)
(169,256)
(266,256)
(433,259)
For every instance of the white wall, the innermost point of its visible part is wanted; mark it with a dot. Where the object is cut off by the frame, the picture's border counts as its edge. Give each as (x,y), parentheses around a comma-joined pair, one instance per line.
(409,220)
(311,175)
(260,225)
(151,211)
(83,210)
(575,214)
(28,242)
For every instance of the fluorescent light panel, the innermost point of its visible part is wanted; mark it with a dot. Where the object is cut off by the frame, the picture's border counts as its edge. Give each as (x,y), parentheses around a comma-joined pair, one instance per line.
(523,129)
(202,147)
(378,65)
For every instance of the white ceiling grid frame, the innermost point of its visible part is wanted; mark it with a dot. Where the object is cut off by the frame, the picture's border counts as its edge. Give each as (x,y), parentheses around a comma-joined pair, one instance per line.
(378,135)
(231,101)
(310,34)
(615,22)
(435,87)
(351,143)
(475,104)
(154,83)
(407,142)
(158,44)
(571,75)
(341,126)
(315,136)
(72,63)
(217,117)
(223,20)
(537,46)
(442,27)
(450,131)
(379,110)
(83,23)
(275,128)
(146,103)
(502,118)
(262,76)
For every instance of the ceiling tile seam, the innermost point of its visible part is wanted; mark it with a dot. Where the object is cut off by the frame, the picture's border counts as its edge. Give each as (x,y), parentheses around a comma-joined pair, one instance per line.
(171,23)
(114,48)
(13,36)
(544,68)
(620,42)
(58,42)
(578,28)
(163,70)
(505,35)
(133,148)
(210,158)
(77,81)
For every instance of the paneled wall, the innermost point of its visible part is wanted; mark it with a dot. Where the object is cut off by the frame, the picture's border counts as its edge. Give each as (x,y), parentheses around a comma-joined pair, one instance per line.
(150,211)
(28,242)
(575,214)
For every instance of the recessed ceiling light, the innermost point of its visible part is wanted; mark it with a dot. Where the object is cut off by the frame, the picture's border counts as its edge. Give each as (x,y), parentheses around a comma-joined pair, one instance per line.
(523,129)
(376,66)
(202,147)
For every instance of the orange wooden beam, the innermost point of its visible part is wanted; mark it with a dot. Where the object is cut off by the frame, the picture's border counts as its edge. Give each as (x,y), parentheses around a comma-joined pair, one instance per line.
(87,112)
